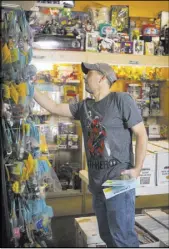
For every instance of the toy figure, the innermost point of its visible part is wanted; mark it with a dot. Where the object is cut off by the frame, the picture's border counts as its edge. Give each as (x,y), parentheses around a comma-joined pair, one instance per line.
(105,45)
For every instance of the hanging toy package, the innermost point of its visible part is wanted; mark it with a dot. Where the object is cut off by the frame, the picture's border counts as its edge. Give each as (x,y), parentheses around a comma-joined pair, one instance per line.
(28,173)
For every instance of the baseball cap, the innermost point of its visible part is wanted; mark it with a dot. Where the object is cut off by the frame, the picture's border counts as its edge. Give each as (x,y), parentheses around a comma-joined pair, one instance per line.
(103,68)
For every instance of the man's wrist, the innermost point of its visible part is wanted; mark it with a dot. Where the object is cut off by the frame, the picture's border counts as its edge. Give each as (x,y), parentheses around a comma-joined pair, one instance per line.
(138,170)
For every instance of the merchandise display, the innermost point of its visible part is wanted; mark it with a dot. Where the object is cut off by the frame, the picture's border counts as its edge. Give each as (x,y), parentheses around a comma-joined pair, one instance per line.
(44,154)
(28,172)
(62,84)
(99,29)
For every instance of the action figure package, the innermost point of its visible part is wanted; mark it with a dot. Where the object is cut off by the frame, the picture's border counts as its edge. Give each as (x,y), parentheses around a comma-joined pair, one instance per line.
(98,16)
(63,128)
(135,91)
(138,47)
(70,93)
(154,99)
(66,128)
(62,141)
(91,41)
(143,106)
(149,48)
(120,18)
(72,141)
(145,91)
(126,47)
(116,48)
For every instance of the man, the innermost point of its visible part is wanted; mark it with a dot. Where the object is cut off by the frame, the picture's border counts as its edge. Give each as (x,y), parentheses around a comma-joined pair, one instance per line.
(108,122)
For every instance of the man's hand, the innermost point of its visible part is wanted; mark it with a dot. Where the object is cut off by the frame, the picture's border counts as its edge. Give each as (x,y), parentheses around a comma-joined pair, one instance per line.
(132,173)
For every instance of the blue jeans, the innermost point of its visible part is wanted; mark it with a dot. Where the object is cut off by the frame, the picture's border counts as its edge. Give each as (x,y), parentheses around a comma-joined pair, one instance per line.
(116,219)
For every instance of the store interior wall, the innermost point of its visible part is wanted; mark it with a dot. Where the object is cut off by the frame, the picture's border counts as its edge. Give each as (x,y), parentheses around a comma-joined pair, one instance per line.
(137,8)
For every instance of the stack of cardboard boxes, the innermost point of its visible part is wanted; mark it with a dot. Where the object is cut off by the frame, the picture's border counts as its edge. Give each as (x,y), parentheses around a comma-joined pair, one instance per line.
(155,171)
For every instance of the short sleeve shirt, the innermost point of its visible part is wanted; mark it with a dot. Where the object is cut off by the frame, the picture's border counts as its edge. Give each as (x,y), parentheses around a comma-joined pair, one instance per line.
(106,127)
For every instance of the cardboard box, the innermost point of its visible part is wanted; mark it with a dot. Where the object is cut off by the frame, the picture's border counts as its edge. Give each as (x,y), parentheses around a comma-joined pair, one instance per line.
(147,176)
(162,163)
(87,234)
(163,168)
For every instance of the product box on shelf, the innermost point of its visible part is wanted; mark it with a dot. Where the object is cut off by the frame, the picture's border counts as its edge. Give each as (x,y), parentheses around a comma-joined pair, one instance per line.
(149,48)
(116,48)
(73,141)
(92,41)
(138,47)
(62,141)
(147,176)
(126,47)
(150,30)
(154,131)
(120,18)
(162,163)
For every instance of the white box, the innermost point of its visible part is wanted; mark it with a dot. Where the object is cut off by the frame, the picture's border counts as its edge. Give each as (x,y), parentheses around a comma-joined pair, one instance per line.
(87,232)
(154,131)
(162,164)
(147,176)
(163,168)
(87,237)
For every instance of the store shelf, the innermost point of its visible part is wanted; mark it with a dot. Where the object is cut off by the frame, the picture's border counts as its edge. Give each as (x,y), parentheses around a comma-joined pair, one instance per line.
(54,56)
(154,190)
(77,57)
(63,193)
(127,59)
(71,83)
(140,191)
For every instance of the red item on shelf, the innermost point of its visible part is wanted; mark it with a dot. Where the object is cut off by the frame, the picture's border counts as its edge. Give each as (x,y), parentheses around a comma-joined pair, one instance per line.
(150,30)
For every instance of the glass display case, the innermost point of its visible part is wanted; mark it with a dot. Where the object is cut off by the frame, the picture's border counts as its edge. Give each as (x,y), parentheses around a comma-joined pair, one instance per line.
(60,137)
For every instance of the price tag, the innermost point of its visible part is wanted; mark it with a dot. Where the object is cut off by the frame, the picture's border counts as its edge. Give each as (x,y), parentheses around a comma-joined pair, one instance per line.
(134,62)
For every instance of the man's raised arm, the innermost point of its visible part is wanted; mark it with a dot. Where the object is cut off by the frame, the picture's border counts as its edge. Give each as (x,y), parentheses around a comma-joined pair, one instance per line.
(48,104)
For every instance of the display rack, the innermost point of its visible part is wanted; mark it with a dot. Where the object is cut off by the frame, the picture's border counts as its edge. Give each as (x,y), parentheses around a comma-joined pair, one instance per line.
(91,57)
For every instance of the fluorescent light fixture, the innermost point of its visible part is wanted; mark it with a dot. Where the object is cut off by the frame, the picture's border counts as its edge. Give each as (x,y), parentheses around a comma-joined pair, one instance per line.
(45,44)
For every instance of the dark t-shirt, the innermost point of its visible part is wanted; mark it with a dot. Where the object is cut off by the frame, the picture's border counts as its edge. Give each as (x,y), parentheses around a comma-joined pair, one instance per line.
(106,127)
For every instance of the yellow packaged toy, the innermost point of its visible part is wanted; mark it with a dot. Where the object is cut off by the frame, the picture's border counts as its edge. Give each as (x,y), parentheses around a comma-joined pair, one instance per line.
(150,73)
(70,92)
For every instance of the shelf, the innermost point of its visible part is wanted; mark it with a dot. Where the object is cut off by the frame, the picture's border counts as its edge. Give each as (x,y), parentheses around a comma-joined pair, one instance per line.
(154,190)
(76,57)
(63,193)
(140,191)
(53,56)
(128,59)
(71,83)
